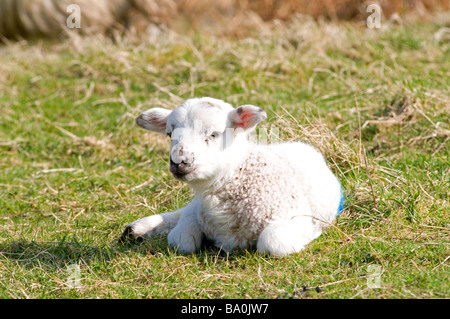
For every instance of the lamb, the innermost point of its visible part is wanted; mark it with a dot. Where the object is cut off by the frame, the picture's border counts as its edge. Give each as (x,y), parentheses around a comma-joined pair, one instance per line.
(275,197)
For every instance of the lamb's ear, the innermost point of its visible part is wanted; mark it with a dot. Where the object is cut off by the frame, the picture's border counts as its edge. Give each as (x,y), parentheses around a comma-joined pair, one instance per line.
(154,119)
(246,116)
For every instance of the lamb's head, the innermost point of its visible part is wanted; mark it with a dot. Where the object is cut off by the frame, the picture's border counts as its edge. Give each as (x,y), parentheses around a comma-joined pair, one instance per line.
(202,130)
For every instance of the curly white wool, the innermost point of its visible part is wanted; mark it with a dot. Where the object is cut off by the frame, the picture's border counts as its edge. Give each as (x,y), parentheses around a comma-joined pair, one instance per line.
(265,188)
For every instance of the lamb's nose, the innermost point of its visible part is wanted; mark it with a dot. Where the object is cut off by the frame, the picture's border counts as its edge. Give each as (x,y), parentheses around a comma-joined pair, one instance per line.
(179,155)
(180,168)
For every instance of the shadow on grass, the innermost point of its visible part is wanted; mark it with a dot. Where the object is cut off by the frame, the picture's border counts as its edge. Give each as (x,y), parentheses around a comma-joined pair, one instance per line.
(53,255)
(59,254)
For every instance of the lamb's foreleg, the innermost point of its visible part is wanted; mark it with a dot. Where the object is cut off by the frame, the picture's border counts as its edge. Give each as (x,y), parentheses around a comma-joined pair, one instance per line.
(187,236)
(160,224)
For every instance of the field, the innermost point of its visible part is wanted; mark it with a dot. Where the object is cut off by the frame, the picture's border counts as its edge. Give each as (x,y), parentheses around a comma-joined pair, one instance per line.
(75,169)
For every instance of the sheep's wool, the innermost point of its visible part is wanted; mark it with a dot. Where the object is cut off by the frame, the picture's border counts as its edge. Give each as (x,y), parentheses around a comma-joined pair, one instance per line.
(264,187)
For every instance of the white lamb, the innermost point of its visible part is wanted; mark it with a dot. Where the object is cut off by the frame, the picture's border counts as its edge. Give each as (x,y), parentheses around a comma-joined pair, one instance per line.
(276,197)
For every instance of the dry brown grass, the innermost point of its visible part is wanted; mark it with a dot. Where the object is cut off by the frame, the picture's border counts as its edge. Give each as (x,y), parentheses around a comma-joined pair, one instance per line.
(284,10)
(235,17)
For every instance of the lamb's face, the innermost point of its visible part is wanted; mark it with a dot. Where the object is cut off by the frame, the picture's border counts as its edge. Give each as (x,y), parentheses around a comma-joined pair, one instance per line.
(200,131)
(197,131)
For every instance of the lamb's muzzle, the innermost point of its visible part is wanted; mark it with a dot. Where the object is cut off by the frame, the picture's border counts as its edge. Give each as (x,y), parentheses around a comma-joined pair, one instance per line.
(180,169)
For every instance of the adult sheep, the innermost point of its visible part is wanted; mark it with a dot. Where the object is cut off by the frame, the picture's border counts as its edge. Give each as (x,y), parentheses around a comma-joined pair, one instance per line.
(49,18)
(276,197)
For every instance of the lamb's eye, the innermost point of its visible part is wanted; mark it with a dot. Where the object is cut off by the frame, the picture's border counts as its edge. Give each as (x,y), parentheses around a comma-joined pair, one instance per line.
(214,135)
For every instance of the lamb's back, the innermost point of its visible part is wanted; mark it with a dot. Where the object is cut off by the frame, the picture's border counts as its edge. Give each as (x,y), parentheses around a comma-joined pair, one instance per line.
(271,182)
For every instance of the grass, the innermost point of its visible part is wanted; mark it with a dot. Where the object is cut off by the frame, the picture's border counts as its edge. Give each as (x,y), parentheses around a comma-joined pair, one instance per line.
(75,170)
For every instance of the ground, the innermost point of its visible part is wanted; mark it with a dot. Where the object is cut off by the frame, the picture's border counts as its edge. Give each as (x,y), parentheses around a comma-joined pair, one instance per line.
(75,169)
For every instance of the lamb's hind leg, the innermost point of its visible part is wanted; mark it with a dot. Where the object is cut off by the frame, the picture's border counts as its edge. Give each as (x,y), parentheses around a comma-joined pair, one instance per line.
(284,237)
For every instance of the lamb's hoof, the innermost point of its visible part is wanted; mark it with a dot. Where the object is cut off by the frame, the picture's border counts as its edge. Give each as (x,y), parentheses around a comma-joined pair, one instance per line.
(129,237)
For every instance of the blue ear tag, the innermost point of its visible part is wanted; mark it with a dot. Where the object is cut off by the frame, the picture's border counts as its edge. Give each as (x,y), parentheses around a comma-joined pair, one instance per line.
(341,204)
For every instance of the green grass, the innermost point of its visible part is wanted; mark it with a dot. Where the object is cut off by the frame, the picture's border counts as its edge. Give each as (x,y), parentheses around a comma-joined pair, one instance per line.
(75,170)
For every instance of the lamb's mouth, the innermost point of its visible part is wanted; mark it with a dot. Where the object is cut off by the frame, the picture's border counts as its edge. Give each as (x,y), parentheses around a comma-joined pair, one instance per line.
(179,176)
(182,171)
(184,177)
